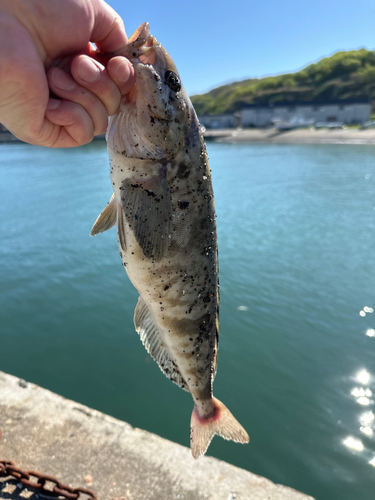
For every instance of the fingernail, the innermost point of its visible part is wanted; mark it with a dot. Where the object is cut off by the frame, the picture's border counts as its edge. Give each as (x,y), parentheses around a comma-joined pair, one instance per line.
(123,72)
(62,80)
(53,104)
(87,70)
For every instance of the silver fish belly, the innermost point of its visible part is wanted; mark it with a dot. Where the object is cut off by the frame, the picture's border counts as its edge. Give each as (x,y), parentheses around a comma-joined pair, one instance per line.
(163,207)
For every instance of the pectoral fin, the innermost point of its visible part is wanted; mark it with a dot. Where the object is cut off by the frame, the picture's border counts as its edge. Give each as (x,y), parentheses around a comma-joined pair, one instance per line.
(106,219)
(148,211)
(121,228)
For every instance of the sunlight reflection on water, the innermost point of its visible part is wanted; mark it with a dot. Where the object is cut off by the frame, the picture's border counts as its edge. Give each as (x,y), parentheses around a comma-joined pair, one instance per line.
(242,308)
(366,419)
(360,392)
(353,443)
(365,310)
(362,376)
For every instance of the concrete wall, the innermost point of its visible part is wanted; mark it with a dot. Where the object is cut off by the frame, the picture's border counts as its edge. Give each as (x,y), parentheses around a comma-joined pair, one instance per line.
(44,432)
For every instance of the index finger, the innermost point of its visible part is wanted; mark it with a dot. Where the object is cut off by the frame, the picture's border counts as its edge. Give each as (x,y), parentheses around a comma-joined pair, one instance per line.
(108,32)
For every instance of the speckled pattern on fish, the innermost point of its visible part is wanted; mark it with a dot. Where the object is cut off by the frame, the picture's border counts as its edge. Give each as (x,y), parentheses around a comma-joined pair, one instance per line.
(163,207)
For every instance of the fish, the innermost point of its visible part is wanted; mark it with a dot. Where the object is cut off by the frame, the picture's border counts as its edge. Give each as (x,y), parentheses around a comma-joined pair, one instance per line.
(163,208)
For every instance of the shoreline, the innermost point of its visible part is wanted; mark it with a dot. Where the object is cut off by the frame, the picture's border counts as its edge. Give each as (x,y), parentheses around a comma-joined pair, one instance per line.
(268,136)
(296,136)
(7,137)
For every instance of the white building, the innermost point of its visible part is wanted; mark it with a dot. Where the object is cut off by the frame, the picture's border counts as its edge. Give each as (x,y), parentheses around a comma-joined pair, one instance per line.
(345,111)
(218,121)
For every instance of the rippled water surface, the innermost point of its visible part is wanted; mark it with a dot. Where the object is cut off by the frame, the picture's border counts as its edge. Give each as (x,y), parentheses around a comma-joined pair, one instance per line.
(297,271)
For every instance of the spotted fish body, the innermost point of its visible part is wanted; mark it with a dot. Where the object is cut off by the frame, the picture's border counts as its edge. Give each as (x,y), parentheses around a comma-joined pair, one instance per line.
(163,208)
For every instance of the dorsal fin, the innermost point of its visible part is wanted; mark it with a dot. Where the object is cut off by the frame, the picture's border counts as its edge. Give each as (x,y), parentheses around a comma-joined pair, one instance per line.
(152,340)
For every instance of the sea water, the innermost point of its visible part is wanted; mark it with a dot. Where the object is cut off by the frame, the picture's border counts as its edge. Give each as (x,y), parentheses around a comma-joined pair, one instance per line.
(296,230)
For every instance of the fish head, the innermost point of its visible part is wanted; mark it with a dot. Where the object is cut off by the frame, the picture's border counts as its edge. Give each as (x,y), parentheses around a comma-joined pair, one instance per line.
(158,108)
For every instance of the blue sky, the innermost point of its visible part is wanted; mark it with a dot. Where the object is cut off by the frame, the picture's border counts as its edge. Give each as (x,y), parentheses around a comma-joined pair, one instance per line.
(213,43)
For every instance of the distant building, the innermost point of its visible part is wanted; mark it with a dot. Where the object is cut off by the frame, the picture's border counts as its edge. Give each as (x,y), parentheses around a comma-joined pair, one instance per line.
(347,111)
(218,121)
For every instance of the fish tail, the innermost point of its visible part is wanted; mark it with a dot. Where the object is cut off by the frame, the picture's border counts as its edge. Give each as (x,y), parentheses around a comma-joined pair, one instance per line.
(222,423)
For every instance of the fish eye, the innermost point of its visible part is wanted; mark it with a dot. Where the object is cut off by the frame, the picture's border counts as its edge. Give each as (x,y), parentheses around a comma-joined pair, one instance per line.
(172,80)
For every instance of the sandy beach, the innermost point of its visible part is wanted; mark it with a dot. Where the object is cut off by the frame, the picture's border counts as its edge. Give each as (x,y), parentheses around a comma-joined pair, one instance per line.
(300,136)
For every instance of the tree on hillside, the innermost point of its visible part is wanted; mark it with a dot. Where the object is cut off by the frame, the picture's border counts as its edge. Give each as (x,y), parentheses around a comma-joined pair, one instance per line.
(344,75)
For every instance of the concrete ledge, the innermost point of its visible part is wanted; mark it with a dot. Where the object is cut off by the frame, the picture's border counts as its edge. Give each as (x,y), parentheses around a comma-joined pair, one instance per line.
(45,432)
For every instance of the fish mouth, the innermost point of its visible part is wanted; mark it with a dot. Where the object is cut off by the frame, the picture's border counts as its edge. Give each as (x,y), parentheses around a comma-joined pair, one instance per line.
(148,58)
(141,46)
(144,54)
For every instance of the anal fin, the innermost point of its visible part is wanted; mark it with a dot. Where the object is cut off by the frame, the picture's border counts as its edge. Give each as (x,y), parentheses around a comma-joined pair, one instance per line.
(150,335)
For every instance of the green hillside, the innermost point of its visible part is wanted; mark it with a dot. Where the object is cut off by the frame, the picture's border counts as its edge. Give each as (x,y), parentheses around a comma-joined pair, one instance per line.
(345,75)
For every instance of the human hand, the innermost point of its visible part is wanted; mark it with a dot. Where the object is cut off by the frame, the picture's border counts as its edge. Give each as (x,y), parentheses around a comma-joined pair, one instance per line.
(44,44)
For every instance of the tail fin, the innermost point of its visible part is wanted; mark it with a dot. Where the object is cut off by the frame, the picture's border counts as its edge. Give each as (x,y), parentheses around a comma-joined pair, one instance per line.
(222,423)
